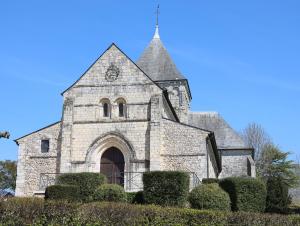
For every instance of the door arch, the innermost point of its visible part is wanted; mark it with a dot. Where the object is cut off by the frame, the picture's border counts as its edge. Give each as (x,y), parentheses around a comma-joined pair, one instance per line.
(112,166)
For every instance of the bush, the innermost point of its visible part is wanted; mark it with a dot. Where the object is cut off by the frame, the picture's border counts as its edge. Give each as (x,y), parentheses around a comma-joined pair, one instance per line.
(209,196)
(278,197)
(29,211)
(21,211)
(59,212)
(62,191)
(110,193)
(166,188)
(87,183)
(246,194)
(210,180)
(135,197)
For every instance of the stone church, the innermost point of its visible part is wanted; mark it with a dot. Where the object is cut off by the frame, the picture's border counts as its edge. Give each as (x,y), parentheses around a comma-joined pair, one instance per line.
(122,118)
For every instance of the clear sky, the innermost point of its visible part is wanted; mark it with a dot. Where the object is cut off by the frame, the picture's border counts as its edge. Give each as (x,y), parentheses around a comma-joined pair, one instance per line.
(242,58)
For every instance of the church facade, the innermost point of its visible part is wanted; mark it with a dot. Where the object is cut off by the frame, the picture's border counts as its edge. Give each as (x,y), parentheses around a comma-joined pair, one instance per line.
(122,118)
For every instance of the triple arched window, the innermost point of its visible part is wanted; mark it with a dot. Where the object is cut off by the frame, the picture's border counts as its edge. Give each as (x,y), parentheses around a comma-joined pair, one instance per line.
(107,108)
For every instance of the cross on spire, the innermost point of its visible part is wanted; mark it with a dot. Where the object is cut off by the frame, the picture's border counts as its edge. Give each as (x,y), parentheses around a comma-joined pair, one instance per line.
(157,13)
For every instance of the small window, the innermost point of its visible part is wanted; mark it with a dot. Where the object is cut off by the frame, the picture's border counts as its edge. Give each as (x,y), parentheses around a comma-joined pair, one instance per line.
(121,110)
(105,110)
(45,146)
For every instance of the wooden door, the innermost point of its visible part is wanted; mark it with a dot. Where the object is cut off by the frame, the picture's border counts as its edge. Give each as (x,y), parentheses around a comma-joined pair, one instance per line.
(112,166)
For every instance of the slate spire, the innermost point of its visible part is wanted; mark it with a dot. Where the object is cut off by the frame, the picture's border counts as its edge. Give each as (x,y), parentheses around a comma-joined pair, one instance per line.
(156,62)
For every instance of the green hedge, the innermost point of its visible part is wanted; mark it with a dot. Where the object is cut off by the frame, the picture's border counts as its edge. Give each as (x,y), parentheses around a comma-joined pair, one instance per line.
(110,192)
(135,197)
(29,211)
(87,182)
(62,191)
(246,194)
(210,180)
(209,196)
(166,188)
(278,197)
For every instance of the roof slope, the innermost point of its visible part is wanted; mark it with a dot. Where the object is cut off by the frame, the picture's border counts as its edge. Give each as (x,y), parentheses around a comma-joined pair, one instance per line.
(157,63)
(225,136)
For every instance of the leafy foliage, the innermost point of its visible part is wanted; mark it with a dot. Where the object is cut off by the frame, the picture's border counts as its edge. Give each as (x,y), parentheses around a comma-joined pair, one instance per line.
(135,197)
(210,180)
(35,211)
(62,191)
(276,165)
(87,183)
(166,188)
(246,194)
(278,197)
(8,174)
(209,196)
(110,192)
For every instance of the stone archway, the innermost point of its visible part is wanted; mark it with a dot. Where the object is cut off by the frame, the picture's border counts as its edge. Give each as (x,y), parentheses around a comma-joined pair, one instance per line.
(112,165)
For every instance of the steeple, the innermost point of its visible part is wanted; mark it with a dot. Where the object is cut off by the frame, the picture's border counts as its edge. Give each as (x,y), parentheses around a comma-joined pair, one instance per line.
(156,61)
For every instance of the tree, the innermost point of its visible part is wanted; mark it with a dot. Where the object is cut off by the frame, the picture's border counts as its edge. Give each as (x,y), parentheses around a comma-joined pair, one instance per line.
(274,164)
(8,174)
(255,136)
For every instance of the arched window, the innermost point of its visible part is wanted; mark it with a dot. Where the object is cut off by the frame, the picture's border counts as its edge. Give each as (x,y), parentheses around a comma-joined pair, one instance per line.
(105,107)
(105,110)
(121,107)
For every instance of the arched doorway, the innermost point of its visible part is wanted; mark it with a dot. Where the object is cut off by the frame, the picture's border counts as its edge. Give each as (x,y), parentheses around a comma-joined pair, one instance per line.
(112,166)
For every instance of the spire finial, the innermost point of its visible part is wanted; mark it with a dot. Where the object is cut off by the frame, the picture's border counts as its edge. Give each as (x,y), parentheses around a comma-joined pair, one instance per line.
(156,34)
(157,13)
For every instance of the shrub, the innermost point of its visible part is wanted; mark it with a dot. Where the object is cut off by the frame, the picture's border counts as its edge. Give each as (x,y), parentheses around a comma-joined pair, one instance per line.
(278,197)
(62,191)
(110,192)
(246,194)
(209,196)
(135,197)
(21,211)
(166,188)
(59,212)
(29,211)
(87,183)
(210,180)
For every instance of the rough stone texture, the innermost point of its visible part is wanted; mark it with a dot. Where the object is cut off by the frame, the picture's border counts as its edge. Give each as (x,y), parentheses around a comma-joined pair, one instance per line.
(149,134)
(32,163)
(186,148)
(237,163)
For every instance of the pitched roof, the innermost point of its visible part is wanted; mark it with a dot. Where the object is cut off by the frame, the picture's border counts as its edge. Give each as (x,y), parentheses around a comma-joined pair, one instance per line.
(112,45)
(225,136)
(157,63)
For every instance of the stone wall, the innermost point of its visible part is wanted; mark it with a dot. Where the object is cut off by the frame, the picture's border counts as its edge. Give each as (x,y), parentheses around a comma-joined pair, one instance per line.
(185,148)
(83,119)
(32,163)
(237,163)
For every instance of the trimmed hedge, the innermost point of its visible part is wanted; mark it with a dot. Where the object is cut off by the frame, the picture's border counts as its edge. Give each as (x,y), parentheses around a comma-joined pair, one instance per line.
(166,188)
(110,192)
(135,197)
(62,191)
(87,183)
(209,196)
(34,211)
(246,194)
(278,197)
(210,180)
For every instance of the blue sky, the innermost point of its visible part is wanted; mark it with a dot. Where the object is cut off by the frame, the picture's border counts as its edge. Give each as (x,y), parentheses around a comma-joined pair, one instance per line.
(241,57)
